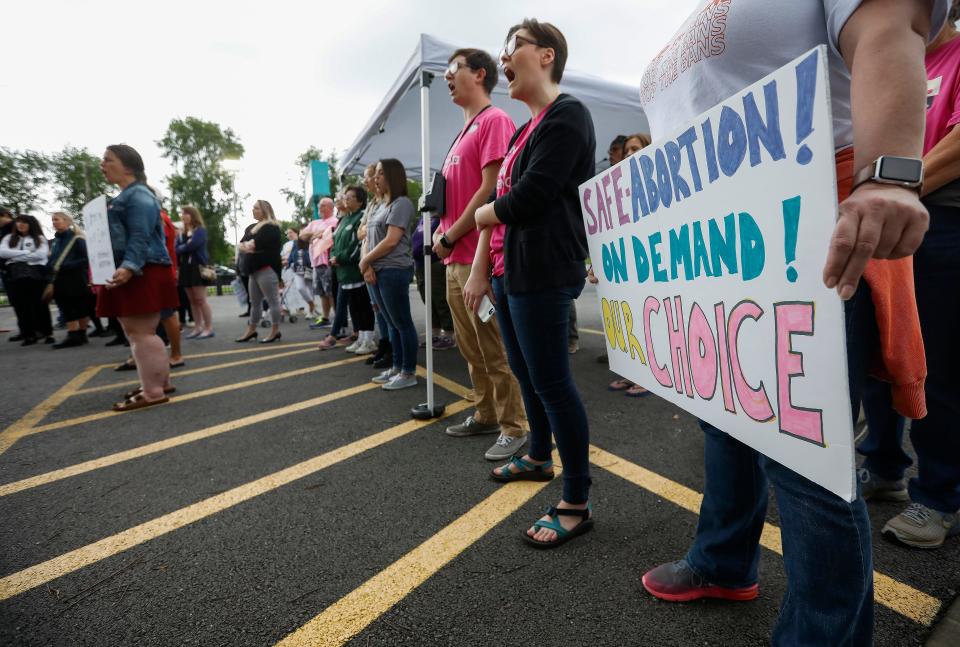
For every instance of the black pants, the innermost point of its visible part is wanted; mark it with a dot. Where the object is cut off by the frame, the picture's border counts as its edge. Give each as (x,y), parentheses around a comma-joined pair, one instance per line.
(33,315)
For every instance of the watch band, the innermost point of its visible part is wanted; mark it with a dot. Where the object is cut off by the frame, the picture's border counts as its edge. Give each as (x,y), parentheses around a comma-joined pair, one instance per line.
(446,242)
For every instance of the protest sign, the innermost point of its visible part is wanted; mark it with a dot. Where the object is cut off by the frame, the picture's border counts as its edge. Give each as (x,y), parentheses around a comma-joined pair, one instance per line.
(99,250)
(709,246)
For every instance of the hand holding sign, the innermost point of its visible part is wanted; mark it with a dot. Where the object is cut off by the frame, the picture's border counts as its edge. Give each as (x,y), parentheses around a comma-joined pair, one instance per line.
(876,221)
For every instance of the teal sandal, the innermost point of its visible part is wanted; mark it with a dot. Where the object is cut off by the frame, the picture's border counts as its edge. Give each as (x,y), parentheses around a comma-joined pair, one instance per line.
(563,535)
(528,471)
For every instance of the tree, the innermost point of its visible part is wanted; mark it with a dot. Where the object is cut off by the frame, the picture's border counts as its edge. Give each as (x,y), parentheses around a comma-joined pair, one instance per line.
(197,148)
(303,213)
(23,176)
(76,178)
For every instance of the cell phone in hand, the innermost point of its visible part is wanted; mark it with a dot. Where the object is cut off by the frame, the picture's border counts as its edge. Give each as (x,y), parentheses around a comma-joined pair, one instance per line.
(486,310)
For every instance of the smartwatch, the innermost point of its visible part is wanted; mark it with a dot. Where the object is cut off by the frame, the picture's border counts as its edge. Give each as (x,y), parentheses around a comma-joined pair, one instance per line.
(445,242)
(887,169)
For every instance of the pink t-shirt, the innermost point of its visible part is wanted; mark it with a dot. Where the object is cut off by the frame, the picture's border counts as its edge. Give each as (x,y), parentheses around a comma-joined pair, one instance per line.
(485,143)
(943,92)
(503,187)
(320,247)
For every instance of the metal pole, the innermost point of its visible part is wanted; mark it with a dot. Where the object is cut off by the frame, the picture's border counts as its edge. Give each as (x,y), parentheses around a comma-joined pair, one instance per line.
(425,79)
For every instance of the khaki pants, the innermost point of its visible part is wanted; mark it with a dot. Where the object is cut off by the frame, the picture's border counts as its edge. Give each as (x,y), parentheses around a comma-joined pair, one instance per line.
(498,394)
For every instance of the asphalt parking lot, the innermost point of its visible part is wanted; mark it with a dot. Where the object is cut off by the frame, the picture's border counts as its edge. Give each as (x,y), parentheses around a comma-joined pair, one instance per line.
(281,498)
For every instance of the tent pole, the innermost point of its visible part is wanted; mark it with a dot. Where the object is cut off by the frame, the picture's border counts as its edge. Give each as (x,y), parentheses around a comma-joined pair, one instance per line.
(428,409)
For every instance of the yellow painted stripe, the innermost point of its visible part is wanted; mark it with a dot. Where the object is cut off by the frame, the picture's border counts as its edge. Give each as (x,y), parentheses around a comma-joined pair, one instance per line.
(445,383)
(258,348)
(93,417)
(74,560)
(22,426)
(176,441)
(897,596)
(117,386)
(592,331)
(351,614)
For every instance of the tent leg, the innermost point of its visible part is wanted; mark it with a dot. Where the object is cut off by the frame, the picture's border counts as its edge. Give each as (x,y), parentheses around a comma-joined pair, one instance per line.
(428,409)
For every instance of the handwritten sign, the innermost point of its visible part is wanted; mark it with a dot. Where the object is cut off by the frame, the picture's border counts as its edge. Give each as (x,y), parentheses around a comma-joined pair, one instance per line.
(99,250)
(709,247)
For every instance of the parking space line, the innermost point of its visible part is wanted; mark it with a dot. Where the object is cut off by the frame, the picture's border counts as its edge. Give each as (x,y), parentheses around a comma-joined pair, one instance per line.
(351,614)
(592,331)
(897,596)
(79,558)
(257,349)
(21,427)
(93,417)
(176,441)
(194,371)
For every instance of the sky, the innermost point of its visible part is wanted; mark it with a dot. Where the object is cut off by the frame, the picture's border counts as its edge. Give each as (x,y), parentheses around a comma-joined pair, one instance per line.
(282,75)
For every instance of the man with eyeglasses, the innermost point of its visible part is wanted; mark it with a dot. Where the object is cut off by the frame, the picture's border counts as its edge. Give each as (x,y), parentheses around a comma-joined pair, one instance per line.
(470,170)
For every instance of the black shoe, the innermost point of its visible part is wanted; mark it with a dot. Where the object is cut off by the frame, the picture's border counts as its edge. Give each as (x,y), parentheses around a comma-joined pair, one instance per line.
(246,337)
(270,340)
(28,341)
(49,340)
(384,362)
(17,337)
(73,338)
(243,314)
(383,347)
(97,333)
(116,341)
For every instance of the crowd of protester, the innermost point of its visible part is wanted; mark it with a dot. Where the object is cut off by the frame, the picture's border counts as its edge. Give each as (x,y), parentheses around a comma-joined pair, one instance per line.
(512,236)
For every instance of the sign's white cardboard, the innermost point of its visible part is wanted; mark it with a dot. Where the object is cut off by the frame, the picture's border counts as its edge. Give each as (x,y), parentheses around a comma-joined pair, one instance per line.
(99,250)
(725,225)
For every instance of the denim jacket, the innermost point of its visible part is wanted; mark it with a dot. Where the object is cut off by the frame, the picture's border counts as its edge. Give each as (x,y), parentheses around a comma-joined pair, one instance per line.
(136,230)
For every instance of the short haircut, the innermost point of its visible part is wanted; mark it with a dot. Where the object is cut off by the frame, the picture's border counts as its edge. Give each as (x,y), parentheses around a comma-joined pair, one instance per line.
(6,212)
(477,60)
(619,140)
(396,177)
(546,35)
(359,193)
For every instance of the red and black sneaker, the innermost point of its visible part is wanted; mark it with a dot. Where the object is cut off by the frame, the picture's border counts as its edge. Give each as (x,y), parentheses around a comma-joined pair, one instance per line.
(677,582)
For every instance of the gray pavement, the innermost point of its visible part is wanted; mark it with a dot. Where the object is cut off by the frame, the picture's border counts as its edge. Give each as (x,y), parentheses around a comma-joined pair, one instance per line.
(252,571)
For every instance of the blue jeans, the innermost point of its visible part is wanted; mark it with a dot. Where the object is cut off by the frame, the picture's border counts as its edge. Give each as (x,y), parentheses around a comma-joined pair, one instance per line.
(935,439)
(534,328)
(342,309)
(392,293)
(826,541)
(381,321)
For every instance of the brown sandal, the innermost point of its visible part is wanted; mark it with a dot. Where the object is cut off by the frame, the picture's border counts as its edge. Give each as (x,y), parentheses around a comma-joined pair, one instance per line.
(137,402)
(137,391)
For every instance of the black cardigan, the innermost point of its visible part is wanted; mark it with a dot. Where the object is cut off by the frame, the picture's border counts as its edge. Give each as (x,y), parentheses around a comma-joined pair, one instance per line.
(268,245)
(545,244)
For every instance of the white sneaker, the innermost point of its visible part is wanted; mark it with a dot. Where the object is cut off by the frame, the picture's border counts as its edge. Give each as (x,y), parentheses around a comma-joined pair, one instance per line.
(386,376)
(400,381)
(352,348)
(366,348)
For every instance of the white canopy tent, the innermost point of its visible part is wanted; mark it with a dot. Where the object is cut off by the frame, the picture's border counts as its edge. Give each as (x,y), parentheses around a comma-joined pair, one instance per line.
(416,123)
(394,129)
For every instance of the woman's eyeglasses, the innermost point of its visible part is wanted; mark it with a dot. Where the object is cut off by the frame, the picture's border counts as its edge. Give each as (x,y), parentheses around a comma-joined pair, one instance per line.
(515,41)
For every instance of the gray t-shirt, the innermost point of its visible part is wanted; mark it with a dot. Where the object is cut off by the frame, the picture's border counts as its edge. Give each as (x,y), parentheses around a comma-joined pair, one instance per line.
(398,213)
(726,45)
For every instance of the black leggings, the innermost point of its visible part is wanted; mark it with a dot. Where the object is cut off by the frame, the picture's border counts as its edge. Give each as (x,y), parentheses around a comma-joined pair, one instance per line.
(361,312)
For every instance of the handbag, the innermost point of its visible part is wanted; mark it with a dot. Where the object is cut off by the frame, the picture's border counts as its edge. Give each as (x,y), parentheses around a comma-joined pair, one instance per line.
(47,295)
(435,199)
(208,273)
